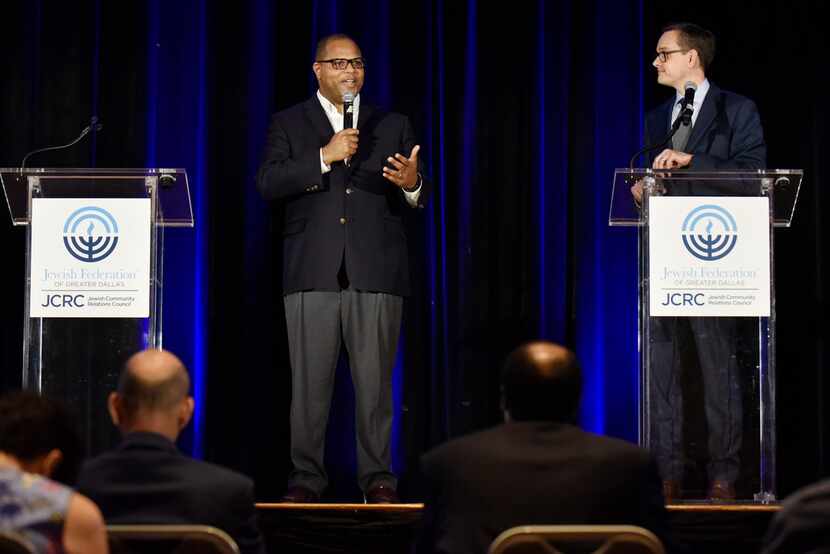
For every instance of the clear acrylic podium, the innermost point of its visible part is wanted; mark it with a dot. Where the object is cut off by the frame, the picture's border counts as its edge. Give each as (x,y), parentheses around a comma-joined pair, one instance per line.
(78,359)
(707,383)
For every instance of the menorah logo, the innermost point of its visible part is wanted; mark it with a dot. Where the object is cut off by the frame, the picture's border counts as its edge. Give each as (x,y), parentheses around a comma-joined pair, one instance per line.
(709,232)
(90,234)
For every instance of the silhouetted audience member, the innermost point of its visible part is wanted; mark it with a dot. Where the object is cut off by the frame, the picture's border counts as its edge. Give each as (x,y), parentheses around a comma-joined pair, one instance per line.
(146,479)
(803,523)
(37,442)
(536,468)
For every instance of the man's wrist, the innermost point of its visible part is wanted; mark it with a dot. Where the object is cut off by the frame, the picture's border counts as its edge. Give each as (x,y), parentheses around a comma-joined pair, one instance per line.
(418,182)
(324,167)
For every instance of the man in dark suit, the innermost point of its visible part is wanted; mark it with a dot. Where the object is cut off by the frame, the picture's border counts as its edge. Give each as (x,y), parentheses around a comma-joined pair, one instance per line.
(803,523)
(345,263)
(725,133)
(146,479)
(538,467)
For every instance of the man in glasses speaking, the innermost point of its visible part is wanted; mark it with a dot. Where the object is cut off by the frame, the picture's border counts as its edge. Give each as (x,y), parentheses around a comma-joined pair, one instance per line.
(346,172)
(723,133)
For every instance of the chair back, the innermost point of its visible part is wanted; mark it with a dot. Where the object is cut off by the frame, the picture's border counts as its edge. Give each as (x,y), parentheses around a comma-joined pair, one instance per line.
(14,543)
(169,539)
(576,539)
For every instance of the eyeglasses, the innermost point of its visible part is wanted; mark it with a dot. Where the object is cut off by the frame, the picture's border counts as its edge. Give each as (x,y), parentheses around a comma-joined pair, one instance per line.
(341,63)
(664,55)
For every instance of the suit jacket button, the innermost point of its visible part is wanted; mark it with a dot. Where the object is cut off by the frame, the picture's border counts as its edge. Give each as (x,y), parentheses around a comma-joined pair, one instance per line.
(348,190)
(342,220)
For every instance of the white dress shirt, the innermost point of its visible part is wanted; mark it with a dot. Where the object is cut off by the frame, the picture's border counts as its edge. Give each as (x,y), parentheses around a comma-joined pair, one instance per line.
(700,96)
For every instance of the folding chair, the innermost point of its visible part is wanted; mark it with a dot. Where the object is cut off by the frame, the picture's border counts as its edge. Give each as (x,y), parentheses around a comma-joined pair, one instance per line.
(171,539)
(14,543)
(567,539)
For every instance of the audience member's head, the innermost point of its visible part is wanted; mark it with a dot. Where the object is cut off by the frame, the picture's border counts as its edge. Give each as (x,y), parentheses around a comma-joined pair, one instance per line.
(541,381)
(40,435)
(152,395)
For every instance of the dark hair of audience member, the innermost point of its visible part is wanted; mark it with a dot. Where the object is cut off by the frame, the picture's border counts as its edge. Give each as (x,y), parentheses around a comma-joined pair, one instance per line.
(139,395)
(33,425)
(542,382)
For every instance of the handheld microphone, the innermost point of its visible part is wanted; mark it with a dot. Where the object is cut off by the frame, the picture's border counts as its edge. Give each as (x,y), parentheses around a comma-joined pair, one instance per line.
(348,114)
(348,110)
(94,126)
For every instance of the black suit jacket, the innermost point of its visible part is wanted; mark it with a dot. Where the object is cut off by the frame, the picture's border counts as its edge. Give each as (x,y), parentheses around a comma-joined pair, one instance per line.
(147,480)
(534,473)
(351,212)
(727,135)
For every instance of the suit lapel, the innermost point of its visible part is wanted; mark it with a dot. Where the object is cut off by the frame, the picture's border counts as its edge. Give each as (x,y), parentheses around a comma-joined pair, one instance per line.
(707,114)
(663,114)
(659,124)
(318,119)
(363,117)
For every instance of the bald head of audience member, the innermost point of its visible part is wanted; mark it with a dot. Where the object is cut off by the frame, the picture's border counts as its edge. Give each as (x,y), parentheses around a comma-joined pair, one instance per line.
(541,381)
(152,395)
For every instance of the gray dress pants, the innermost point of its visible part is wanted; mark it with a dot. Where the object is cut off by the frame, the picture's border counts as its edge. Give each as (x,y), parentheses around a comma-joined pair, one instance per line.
(368,323)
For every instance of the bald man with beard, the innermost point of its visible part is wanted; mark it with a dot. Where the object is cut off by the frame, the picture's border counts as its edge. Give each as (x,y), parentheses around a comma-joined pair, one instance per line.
(146,479)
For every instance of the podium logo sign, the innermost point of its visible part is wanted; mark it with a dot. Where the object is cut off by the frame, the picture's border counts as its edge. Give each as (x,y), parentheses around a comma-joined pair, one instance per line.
(90,257)
(90,234)
(700,264)
(710,232)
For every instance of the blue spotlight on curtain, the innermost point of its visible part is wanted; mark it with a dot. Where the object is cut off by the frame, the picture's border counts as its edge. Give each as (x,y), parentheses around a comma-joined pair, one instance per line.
(606,258)
(176,136)
(435,228)
(550,129)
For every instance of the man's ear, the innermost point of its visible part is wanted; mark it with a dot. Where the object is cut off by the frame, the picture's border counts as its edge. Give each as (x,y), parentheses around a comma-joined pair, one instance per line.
(44,465)
(694,58)
(315,68)
(185,412)
(114,407)
(51,462)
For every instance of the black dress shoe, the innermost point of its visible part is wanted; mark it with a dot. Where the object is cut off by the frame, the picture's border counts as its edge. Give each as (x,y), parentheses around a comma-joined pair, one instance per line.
(299,494)
(382,494)
(721,490)
(671,491)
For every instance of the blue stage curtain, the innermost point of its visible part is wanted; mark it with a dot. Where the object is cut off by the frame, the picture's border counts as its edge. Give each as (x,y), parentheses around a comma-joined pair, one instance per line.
(520,132)
(523,111)
(176,119)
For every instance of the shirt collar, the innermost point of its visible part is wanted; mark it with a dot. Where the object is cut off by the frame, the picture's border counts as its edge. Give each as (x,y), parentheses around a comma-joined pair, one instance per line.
(147,439)
(330,108)
(700,93)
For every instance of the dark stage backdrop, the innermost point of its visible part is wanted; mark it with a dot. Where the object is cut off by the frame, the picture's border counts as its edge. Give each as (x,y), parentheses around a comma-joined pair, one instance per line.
(524,110)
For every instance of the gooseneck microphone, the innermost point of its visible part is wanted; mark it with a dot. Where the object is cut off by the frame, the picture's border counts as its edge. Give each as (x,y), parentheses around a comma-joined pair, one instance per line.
(94,125)
(684,118)
(687,105)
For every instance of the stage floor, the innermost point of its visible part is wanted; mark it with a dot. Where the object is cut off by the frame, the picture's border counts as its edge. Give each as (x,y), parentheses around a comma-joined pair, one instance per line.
(392,529)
